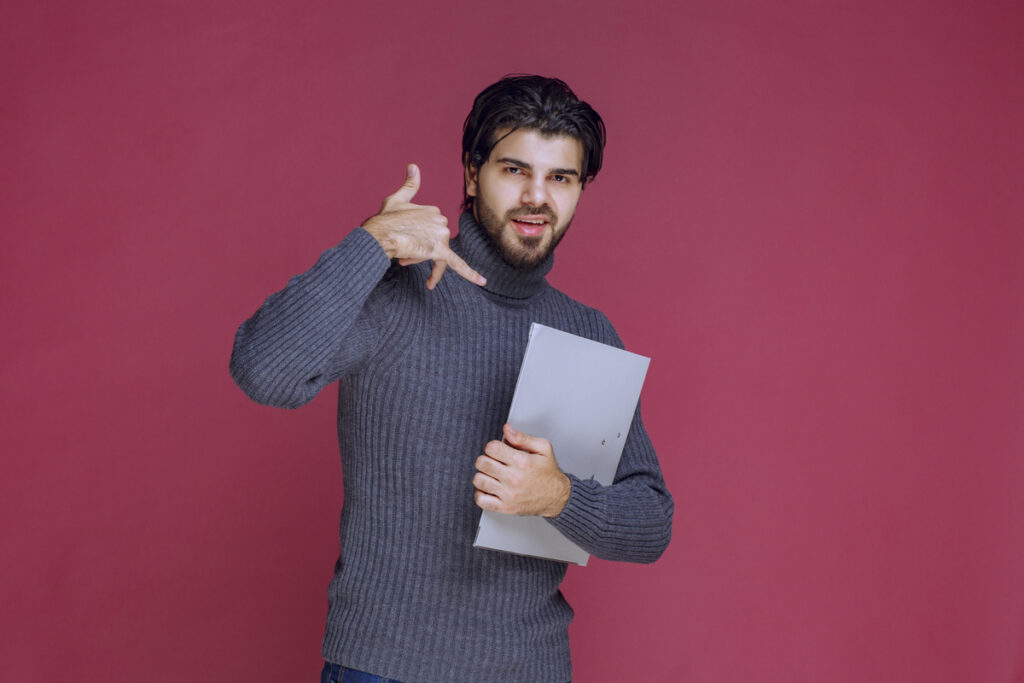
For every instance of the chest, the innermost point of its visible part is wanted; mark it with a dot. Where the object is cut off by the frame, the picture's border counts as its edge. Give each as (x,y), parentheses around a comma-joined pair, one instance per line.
(448,369)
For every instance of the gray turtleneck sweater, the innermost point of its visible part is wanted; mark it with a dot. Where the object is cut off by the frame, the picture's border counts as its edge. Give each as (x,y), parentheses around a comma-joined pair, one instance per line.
(426,380)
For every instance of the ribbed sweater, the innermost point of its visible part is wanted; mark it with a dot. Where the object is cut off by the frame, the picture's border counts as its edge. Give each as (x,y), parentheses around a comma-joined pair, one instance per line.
(425,381)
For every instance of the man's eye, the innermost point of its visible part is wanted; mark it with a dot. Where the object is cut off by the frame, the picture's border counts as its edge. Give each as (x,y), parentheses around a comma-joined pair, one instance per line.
(515,170)
(559,178)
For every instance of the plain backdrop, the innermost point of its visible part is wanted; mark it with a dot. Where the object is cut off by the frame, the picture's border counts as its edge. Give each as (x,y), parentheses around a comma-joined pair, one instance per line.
(810,218)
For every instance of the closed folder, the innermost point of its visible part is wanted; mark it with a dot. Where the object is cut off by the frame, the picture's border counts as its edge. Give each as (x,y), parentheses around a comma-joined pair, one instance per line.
(580,395)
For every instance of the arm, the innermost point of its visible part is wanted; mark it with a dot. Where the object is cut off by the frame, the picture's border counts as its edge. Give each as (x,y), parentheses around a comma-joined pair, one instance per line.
(311,332)
(630,520)
(319,327)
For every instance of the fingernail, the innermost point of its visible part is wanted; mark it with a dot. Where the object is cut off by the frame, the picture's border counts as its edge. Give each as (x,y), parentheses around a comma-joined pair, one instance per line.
(511,430)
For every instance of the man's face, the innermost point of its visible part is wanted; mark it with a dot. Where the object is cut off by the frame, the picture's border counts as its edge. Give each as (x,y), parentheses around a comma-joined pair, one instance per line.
(526,192)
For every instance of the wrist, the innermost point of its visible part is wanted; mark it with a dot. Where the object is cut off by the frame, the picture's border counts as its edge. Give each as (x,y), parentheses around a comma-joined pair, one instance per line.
(382,237)
(562,499)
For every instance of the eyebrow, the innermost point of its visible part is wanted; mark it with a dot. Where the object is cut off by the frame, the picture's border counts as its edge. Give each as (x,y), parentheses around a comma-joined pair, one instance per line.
(529,167)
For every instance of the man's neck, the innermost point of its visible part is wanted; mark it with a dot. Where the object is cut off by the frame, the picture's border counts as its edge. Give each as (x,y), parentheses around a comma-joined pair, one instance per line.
(477,248)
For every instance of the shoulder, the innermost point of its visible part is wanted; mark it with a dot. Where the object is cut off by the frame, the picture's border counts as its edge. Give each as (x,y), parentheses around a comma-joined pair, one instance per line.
(587,321)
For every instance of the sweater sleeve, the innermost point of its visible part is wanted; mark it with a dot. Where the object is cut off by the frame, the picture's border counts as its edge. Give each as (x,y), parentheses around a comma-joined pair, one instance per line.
(315,329)
(631,519)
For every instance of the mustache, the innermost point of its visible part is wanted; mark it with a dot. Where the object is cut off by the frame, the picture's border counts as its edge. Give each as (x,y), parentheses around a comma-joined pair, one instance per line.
(544,210)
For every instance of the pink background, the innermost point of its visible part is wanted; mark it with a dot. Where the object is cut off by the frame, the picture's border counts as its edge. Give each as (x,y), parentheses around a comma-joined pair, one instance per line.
(810,217)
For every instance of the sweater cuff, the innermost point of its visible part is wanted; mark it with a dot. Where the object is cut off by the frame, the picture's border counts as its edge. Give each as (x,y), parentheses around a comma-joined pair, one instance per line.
(577,518)
(358,250)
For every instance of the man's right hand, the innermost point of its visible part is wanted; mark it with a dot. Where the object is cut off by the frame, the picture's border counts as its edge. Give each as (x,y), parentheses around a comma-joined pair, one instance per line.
(413,233)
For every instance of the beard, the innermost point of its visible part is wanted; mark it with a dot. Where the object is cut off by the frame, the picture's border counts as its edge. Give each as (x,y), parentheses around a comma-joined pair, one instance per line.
(519,251)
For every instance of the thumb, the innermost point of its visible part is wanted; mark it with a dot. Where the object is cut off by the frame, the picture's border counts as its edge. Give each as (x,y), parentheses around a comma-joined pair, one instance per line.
(411,185)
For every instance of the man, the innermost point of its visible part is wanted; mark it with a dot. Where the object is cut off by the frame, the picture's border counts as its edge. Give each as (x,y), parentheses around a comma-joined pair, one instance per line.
(427,362)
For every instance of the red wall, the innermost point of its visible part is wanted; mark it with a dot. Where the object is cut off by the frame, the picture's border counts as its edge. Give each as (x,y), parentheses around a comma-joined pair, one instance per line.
(810,217)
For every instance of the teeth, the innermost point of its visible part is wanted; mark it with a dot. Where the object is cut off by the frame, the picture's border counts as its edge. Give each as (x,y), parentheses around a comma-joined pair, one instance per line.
(522,220)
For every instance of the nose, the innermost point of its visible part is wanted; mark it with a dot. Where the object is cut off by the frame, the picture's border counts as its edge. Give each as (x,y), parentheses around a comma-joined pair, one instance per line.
(534,192)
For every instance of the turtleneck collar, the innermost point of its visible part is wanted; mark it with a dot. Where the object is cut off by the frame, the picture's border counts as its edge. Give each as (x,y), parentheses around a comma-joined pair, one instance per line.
(474,246)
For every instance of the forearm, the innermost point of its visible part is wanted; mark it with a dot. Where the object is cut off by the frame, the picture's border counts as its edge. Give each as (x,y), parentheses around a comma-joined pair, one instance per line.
(304,335)
(629,520)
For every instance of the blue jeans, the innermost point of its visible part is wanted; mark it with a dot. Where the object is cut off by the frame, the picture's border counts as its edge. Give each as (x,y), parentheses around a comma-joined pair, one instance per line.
(336,673)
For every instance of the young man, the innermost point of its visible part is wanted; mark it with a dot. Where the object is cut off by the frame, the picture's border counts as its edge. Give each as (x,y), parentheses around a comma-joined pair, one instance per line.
(427,362)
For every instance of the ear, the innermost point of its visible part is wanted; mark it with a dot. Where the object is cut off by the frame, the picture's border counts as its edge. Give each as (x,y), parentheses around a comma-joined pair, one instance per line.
(472,173)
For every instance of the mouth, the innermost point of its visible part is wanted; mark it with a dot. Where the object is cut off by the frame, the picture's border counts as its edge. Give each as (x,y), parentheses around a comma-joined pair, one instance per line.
(530,226)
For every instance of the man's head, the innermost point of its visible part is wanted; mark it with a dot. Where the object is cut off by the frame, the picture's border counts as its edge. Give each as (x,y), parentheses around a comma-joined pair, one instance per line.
(529,145)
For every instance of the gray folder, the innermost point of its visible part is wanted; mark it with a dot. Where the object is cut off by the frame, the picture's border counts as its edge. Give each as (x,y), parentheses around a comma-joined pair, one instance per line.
(580,395)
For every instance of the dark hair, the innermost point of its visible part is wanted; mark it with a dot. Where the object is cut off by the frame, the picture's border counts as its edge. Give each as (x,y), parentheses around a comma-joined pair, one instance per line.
(546,105)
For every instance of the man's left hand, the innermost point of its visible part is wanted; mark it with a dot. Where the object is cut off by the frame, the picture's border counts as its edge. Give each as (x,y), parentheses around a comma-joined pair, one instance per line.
(520,477)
